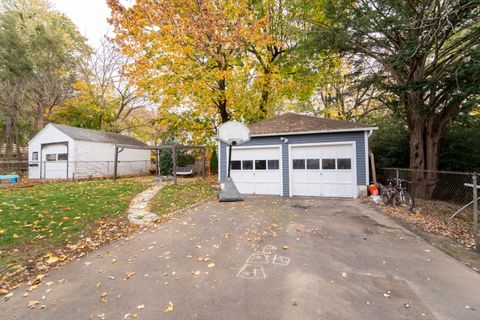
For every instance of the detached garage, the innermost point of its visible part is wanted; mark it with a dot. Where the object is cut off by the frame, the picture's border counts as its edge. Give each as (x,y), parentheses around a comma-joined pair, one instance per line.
(299,155)
(64,152)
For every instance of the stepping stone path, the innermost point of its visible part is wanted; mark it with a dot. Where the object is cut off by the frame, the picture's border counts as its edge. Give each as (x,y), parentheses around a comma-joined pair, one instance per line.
(139,209)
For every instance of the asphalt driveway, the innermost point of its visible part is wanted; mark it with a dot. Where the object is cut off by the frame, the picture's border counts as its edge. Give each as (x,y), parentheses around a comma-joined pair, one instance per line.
(264,258)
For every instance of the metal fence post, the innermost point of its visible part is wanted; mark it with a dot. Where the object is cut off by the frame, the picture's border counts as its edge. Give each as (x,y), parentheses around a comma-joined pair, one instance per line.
(475,214)
(397,174)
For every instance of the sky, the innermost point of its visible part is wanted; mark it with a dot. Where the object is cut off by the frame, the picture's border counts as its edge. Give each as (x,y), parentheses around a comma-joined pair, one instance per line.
(90,16)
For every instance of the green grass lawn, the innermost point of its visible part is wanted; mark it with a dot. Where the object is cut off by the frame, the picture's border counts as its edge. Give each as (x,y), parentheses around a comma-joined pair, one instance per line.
(49,214)
(173,198)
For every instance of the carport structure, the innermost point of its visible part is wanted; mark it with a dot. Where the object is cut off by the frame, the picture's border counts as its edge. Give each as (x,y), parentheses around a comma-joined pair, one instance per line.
(173,148)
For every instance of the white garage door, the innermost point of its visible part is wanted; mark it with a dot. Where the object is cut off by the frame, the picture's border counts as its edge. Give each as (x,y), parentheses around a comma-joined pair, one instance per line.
(323,170)
(55,161)
(257,170)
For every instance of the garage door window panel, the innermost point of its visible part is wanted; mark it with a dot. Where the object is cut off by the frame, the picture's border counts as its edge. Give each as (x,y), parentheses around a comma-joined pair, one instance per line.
(299,164)
(328,164)
(273,164)
(344,164)
(247,164)
(313,164)
(51,157)
(62,156)
(260,164)
(236,165)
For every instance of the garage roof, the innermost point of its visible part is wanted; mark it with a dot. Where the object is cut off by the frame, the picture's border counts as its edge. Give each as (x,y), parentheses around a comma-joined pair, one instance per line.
(294,123)
(97,136)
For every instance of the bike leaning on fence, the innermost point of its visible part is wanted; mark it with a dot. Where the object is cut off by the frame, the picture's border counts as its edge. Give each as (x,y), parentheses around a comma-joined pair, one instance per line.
(396,193)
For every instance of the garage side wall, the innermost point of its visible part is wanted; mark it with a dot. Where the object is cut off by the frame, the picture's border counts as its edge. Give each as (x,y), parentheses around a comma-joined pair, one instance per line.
(95,159)
(358,137)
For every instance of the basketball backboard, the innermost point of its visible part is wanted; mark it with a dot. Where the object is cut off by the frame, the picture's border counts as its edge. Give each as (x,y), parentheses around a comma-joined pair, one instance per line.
(233,133)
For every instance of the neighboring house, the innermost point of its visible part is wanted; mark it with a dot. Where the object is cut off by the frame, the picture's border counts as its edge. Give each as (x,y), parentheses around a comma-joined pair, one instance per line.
(63,152)
(298,155)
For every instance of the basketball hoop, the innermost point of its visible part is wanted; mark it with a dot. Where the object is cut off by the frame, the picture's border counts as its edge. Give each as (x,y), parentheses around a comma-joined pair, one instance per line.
(232,133)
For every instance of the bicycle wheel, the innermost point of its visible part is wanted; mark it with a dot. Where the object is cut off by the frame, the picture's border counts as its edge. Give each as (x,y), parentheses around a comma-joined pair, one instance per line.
(385,196)
(403,200)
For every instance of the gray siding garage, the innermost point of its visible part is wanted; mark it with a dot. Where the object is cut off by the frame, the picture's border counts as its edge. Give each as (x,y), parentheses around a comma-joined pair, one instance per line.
(300,155)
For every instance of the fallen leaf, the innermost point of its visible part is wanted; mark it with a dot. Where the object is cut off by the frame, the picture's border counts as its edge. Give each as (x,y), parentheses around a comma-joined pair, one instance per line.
(344,274)
(3,291)
(140,306)
(285,247)
(33,304)
(169,307)
(52,259)
(211,265)
(104,294)
(128,275)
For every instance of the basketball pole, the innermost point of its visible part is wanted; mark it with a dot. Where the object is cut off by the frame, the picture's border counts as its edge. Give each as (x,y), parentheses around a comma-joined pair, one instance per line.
(230,157)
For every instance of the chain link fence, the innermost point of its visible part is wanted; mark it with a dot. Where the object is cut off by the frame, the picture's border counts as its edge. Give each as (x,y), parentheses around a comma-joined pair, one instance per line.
(445,195)
(442,185)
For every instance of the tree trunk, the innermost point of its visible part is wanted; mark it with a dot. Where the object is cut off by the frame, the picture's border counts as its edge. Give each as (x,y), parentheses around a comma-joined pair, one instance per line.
(265,93)
(425,156)
(222,101)
(8,137)
(417,156)
(39,119)
(17,142)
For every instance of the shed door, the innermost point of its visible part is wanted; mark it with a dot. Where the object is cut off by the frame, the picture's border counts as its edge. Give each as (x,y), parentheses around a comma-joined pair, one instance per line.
(323,170)
(257,170)
(54,161)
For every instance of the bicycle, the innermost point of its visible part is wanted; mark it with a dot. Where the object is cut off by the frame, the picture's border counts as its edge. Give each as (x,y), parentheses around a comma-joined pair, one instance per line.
(397,195)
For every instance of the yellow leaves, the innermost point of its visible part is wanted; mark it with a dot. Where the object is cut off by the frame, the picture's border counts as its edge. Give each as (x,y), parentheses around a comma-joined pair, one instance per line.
(16,236)
(169,307)
(51,258)
(211,265)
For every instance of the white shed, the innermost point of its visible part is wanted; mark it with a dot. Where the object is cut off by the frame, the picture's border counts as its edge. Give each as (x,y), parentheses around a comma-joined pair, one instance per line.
(64,152)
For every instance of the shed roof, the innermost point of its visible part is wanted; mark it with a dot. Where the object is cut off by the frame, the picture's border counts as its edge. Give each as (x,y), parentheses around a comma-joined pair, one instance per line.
(97,136)
(294,123)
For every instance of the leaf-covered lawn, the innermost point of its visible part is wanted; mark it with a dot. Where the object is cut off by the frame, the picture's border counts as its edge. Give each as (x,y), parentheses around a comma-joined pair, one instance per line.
(173,198)
(55,212)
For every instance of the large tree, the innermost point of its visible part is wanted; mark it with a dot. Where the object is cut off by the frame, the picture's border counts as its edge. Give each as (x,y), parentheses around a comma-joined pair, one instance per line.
(39,51)
(186,52)
(104,98)
(427,54)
